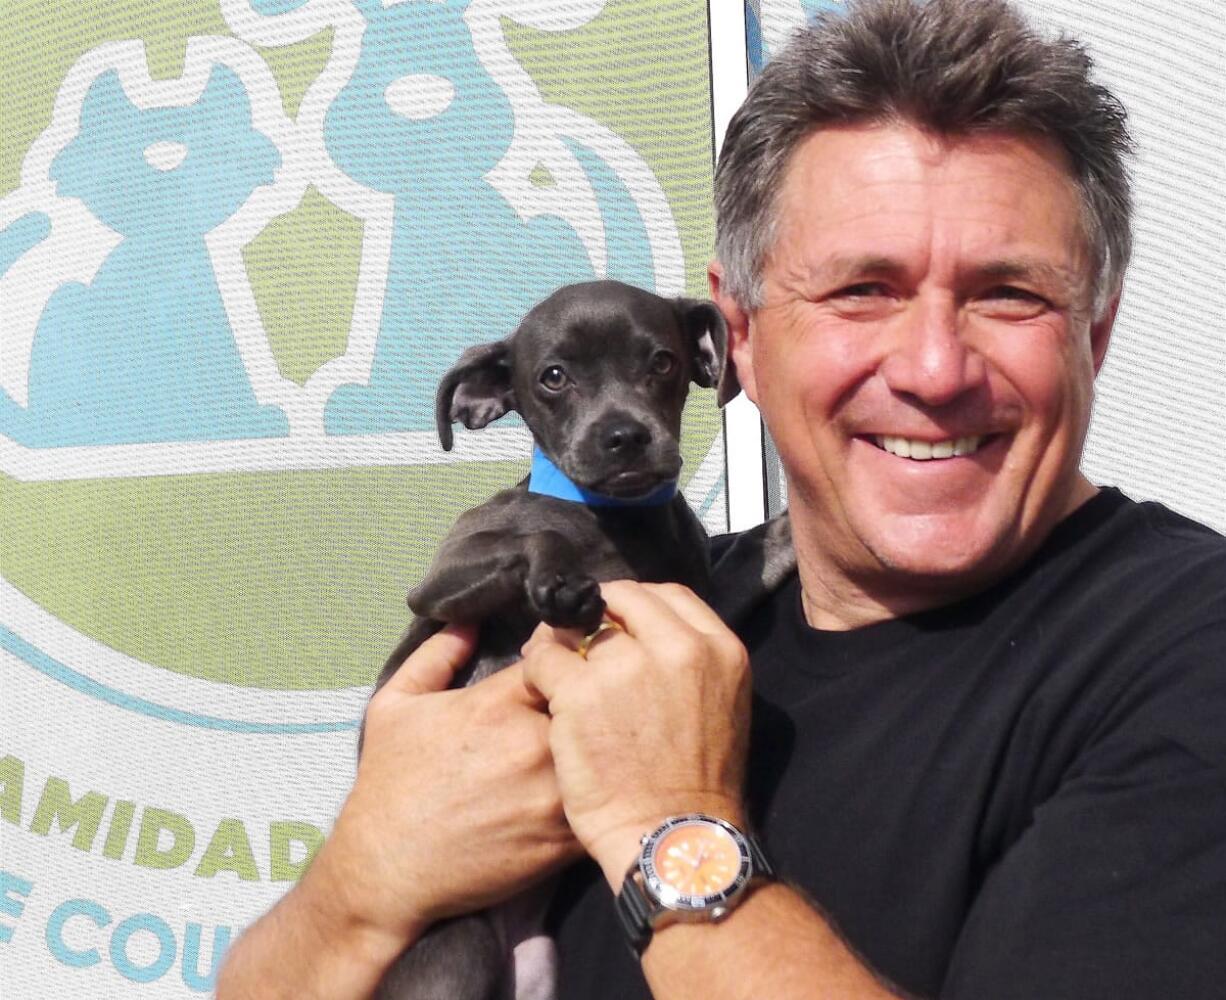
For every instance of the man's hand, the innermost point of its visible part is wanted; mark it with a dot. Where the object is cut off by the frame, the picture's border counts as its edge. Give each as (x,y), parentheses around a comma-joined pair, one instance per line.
(455,807)
(654,722)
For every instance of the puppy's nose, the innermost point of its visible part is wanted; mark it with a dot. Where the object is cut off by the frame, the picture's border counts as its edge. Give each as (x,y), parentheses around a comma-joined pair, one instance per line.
(626,436)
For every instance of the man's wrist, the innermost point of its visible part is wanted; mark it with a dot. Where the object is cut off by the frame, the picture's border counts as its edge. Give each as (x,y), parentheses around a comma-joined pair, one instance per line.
(617,849)
(337,906)
(338,925)
(308,947)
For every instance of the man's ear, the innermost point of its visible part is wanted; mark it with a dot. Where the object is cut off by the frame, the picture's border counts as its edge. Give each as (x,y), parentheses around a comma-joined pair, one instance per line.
(476,391)
(1100,332)
(737,366)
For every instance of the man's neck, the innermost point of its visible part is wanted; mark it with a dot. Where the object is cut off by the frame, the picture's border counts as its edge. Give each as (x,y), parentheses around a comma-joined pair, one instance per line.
(833,602)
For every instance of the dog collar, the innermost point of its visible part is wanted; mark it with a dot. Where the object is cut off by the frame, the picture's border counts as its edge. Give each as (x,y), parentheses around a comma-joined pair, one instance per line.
(548,480)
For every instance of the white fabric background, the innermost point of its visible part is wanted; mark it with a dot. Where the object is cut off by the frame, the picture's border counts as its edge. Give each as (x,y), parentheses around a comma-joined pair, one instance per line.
(1159,429)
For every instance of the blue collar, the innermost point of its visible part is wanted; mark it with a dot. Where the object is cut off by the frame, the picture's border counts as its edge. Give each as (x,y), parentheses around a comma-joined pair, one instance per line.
(548,480)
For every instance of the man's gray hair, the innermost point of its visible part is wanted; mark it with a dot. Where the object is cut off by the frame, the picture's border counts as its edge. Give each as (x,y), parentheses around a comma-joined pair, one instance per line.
(953,67)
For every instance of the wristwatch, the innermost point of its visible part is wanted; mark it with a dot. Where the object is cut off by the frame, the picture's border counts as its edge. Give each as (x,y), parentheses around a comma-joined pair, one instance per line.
(690,868)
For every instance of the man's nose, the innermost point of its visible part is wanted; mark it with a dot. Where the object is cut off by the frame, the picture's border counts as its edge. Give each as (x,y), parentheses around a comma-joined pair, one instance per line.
(930,358)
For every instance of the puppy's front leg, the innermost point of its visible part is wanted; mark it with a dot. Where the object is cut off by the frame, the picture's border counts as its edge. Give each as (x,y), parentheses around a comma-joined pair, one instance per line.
(474,577)
(481,575)
(561,594)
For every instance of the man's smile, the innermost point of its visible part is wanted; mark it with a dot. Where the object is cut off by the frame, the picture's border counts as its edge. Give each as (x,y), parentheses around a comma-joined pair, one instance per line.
(923,450)
(926,475)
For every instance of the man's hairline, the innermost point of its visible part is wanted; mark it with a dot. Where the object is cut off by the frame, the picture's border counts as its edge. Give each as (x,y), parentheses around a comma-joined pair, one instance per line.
(1100,295)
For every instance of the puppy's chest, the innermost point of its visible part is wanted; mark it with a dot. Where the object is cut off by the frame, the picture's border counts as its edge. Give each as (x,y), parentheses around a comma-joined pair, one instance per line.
(652,558)
(652,546)
(655,545)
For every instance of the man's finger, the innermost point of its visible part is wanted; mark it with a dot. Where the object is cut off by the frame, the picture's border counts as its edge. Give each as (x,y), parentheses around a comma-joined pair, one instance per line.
(544,635)
(655,612)
(689,606)
(545,670)
(432,665)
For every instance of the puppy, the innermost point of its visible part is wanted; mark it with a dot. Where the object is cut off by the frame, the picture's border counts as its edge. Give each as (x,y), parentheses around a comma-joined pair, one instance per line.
(599,372)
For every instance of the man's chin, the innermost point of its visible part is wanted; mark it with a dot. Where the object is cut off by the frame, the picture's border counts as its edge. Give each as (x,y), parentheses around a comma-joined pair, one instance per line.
(944,553)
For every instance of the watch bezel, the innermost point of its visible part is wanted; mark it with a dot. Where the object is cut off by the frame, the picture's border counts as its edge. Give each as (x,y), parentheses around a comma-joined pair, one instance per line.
(672,899)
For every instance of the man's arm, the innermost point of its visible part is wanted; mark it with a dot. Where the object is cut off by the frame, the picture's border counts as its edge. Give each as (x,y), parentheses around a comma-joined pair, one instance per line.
(774,945)
(309,946)
(654,724)
(455,807)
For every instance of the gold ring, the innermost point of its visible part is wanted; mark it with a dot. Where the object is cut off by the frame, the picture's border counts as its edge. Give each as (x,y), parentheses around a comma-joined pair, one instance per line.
(586,642)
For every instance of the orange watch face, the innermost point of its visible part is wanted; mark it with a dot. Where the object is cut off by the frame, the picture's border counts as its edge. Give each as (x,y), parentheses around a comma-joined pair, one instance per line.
(697,859)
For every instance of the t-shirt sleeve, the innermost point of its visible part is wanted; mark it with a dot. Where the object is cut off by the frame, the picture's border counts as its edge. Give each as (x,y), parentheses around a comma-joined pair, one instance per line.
(1117,888)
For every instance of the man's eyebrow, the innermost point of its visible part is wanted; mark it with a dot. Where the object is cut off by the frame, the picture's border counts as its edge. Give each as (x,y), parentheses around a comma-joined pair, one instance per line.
(843,267)
(1015,268)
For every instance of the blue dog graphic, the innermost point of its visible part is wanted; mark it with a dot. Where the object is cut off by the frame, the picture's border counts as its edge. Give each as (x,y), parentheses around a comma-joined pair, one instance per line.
(421,119)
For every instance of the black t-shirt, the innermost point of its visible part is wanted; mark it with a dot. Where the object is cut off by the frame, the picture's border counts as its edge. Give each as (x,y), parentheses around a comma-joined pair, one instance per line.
(1021,795)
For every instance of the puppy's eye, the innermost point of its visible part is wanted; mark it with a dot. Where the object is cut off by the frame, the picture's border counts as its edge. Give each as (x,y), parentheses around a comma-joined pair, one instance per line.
(663,363)
(554,377)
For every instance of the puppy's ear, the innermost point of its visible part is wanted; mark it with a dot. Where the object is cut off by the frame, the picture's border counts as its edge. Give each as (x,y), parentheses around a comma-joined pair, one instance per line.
(707,332)
(476,391)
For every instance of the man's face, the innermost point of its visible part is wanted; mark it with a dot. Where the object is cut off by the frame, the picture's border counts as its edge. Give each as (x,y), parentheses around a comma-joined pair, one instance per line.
(924,356)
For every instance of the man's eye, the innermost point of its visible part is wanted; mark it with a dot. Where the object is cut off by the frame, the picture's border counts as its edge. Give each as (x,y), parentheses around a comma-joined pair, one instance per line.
(1011,302)
(554,377)
(663,363)
(864,289)
(1013,293)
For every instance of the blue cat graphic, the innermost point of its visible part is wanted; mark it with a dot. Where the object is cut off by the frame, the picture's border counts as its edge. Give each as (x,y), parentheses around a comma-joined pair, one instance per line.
(145,351)
(422,120)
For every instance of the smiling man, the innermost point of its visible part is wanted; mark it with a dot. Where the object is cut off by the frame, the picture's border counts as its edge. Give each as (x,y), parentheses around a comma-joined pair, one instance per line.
(973,747)
(924,353)
(986,755)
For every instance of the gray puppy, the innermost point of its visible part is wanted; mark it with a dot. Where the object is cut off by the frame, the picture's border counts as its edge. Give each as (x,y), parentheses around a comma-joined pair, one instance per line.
(599,372)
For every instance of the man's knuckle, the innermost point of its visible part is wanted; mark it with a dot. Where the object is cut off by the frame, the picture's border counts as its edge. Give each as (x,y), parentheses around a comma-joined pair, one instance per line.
(729,650)
(521,758)
(675,589)
(486,713)
(621,589)
(690,649)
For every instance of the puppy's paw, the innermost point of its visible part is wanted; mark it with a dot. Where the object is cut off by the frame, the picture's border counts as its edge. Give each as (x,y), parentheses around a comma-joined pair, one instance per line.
(567,601)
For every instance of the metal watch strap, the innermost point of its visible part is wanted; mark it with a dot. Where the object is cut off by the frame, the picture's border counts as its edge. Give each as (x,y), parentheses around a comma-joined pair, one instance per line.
(636,910)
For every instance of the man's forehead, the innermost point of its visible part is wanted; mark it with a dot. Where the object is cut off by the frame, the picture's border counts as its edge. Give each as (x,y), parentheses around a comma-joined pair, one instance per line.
(848,166)
(874,198)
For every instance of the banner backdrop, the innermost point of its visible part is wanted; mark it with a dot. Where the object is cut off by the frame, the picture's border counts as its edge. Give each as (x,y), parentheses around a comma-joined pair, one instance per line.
(240,241)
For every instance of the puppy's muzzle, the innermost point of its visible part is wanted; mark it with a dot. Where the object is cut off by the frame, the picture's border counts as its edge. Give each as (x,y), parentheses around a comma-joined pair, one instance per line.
(625,439)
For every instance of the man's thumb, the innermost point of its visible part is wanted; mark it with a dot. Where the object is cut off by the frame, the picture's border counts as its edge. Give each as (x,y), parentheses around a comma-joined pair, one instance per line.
(432,665)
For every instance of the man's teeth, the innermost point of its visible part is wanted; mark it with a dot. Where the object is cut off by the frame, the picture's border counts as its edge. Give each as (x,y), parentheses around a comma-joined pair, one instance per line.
(922,450)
